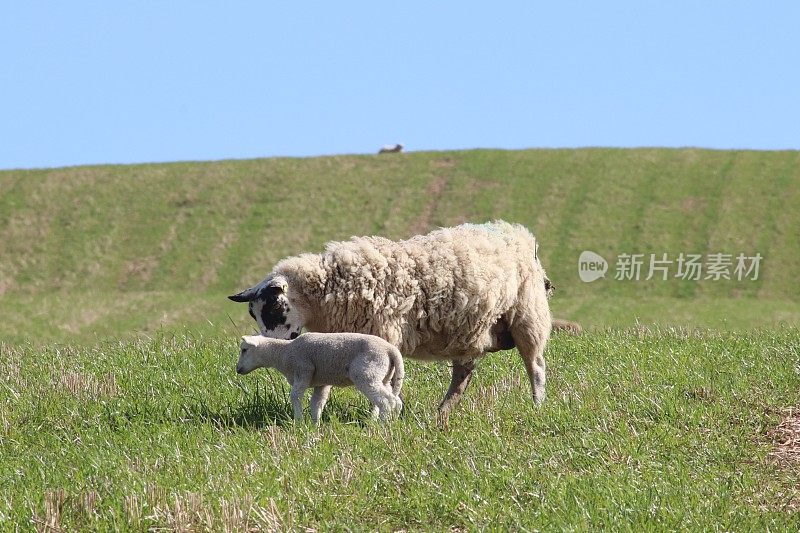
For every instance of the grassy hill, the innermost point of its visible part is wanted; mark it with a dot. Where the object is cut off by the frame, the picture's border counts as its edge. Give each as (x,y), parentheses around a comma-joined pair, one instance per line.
(87,252)
(644,428)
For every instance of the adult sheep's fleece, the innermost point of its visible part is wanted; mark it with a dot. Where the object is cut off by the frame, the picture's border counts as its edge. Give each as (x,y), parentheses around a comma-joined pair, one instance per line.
(454,294)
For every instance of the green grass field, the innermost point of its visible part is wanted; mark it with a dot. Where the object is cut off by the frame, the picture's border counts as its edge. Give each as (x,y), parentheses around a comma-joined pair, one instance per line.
(642,430)
(120,408)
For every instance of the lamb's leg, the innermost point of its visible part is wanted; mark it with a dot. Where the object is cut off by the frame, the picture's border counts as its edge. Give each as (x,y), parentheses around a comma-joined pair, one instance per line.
(318,399)
(296,394)
(380,396)
(393,386)
(394,401)
(398,400)
(462,374)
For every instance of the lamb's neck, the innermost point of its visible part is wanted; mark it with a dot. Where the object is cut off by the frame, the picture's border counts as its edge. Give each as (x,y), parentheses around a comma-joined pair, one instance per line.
(272,353)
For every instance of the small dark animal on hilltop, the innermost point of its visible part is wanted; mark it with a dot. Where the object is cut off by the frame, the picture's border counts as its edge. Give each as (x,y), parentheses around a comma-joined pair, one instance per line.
(391,149)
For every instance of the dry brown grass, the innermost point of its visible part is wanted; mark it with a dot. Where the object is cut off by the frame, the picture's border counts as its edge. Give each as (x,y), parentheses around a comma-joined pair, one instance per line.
(786,439)
(59,503)
(189,512)
(785,453)
(86,385)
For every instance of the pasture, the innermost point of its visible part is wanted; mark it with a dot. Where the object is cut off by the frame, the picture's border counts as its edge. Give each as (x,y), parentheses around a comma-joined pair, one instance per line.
(643,429)
(120,408)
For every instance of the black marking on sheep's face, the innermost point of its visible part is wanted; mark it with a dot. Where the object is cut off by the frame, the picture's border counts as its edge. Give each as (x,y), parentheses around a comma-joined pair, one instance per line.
(273,314)
(269,305)
(276,317)
(293,335)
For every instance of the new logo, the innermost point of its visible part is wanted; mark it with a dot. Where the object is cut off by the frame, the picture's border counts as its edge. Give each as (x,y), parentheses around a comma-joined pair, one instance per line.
(591,266)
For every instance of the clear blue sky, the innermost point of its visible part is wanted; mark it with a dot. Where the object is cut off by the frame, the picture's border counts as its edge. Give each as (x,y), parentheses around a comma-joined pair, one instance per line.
(113,82)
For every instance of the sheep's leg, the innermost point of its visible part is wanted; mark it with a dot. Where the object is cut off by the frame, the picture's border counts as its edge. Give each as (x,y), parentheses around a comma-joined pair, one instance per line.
(296,394)
(462,374)
(318,399)
(531,338)
(537,375)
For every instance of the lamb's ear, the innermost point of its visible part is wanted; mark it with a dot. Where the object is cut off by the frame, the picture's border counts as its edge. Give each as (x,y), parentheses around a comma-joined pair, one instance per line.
(246,295)
(249,340)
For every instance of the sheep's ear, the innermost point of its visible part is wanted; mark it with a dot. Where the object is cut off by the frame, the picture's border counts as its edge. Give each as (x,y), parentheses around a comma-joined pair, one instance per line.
(246,295)
(270,285)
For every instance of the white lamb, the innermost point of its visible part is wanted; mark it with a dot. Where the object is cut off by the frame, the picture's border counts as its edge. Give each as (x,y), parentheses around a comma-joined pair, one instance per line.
(453,294)
(321,360)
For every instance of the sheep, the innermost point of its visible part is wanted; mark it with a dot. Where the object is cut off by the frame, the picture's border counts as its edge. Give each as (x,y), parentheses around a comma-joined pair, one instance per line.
(390,149)
(453,294)
(322,360)
(573,328)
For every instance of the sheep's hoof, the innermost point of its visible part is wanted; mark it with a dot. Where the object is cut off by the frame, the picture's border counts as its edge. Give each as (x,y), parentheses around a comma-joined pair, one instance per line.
(443,419)
(538,399)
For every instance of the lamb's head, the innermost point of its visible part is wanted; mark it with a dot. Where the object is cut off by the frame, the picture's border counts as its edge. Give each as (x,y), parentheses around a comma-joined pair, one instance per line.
(270,306)
(248,361)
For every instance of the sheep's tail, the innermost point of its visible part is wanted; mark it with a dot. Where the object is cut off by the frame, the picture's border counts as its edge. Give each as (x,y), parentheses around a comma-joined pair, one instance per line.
(398,370)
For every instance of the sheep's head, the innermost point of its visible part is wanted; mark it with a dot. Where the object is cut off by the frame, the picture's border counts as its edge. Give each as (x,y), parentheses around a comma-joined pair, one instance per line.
(247,360)
(270,306)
